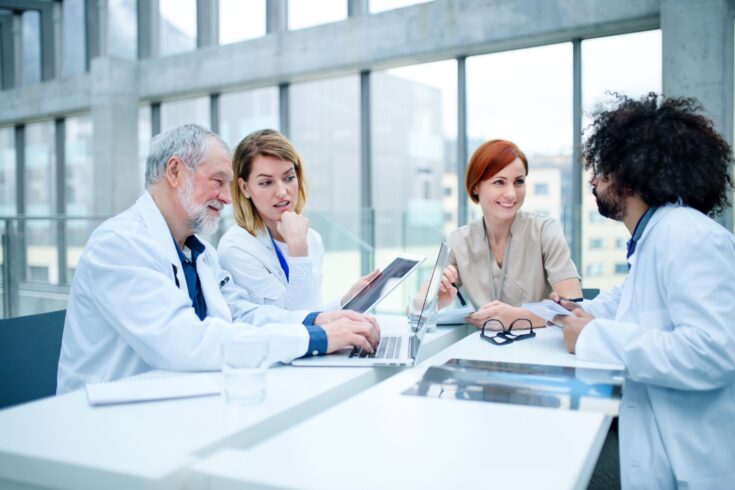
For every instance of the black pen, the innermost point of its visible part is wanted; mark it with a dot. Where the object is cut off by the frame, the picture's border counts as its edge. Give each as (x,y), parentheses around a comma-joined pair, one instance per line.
(459,296)
(573,300)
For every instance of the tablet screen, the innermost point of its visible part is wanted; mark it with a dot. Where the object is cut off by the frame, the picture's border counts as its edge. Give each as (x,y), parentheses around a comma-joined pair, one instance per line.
(389,278)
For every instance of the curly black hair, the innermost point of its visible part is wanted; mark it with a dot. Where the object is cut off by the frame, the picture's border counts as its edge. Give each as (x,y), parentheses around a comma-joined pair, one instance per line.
(662,150)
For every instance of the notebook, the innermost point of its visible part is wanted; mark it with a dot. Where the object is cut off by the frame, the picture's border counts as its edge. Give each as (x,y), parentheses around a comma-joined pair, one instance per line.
(161,387)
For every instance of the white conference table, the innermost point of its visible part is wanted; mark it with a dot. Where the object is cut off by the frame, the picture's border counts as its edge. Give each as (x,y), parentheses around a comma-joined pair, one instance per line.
(62,442)
(382,439)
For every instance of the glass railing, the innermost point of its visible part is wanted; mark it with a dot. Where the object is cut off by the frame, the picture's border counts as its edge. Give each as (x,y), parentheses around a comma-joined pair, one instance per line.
(37,259)
(38,255)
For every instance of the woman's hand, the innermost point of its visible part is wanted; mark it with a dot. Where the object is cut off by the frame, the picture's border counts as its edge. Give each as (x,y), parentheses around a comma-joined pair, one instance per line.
(359,286)
(496,310)
(447,292)
(293,228)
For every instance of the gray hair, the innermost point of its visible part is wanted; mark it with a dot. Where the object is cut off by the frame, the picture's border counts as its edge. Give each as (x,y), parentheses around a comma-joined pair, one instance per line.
(189,142)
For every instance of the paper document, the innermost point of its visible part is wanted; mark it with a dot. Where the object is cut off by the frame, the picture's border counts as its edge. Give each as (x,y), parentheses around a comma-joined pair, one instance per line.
(546,309)
(454,316)
(154,388)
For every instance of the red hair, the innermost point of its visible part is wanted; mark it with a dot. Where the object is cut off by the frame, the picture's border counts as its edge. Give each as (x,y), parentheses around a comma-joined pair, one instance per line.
(488,159)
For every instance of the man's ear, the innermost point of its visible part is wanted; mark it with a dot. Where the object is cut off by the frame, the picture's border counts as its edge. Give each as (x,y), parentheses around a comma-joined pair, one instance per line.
(174,169)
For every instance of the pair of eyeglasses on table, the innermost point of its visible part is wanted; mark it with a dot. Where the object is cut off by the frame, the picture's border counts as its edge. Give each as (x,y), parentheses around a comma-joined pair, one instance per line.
(506,335)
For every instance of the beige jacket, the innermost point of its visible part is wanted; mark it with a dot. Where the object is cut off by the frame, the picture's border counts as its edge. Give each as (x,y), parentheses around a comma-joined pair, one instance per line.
(538,258)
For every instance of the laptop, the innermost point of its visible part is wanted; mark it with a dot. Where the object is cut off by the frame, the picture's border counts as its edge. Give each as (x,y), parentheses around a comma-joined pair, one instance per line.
(398,350)
(382,284)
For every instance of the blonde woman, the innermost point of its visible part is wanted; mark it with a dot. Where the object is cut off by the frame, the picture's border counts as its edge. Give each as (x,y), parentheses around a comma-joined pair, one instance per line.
(271,251)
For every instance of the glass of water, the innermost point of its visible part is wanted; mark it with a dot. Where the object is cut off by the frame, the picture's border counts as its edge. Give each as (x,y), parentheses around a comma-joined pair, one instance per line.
(245,369)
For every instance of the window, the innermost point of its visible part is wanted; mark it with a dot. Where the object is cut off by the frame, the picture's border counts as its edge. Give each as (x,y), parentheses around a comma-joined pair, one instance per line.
(40,200)
(7,171)
(383,5)
(79,191)
(178,26)
(244,112)
(177,112)
(525,96)
(303,14)
(74,38)
(606,66)
(541,189)
(31,48)
(593,270)
(414,114)
(596,243)
(123,28)
(144,139)
(38,274)
(621,243)
(621,268)
(240,20)
(325,129)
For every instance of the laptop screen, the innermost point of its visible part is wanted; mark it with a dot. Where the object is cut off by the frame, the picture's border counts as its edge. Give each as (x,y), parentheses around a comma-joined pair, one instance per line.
(427,314)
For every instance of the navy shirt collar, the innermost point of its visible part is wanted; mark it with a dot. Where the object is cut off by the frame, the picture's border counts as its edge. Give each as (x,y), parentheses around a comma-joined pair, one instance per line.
(638,232)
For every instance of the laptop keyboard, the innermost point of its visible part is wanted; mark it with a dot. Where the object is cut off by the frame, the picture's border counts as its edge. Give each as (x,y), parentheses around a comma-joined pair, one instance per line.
(388,348)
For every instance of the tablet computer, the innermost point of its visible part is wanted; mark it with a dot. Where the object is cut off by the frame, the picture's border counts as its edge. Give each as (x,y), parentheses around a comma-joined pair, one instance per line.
(385,282)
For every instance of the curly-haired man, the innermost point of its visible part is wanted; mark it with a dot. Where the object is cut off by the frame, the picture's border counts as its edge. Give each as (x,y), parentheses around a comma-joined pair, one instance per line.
(660,168)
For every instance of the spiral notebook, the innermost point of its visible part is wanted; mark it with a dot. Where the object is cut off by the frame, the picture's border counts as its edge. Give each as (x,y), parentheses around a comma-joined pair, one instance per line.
(153,388)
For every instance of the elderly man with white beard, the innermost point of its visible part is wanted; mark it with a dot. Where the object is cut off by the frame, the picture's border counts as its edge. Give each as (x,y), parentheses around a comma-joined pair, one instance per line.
(148,294)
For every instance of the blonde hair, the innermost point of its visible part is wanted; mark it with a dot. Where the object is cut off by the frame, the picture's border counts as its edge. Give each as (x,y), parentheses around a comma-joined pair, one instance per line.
(264,142)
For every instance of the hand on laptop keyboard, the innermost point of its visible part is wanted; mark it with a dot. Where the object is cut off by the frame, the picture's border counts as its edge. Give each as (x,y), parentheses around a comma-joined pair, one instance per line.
(347,328)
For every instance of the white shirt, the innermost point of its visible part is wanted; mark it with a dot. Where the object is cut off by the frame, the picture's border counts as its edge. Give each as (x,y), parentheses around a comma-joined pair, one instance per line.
(254,265)
(672,324)
(126,314)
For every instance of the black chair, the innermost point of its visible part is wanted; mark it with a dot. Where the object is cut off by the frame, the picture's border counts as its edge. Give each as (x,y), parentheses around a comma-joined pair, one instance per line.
(29,356)
(590,293)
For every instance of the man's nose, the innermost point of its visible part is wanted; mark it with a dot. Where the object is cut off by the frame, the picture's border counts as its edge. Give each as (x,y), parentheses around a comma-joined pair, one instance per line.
(225,195)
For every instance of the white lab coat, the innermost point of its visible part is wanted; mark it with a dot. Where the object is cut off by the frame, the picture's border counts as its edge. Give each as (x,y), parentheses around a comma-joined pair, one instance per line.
(672,324)
(126,315)
(254,265)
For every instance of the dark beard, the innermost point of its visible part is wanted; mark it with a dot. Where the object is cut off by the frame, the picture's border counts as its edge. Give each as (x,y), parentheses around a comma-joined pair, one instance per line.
(609,207)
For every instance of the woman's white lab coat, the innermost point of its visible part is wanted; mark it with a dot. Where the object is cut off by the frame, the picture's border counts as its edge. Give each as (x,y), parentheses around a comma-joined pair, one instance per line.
(672,324)
(254,265)
(129,312)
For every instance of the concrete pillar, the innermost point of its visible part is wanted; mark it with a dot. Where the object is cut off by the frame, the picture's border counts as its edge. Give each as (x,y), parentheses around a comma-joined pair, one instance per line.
(357,7)
(58,23)
(7,55)
(697,48)
(207,23)
(18,49)
(276,16)
(149,29)
(115,143)
(49,37)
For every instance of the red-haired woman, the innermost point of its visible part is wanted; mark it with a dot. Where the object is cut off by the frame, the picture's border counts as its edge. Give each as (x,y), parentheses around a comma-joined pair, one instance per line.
(508,257)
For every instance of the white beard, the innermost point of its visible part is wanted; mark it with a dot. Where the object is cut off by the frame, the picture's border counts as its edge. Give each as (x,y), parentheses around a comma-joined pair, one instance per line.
(198,218)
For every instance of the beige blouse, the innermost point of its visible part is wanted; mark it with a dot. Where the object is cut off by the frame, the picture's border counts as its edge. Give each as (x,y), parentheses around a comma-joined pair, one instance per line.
(538,257)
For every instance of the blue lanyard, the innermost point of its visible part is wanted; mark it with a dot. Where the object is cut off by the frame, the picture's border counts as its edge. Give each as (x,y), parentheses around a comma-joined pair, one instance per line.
(638,231)
(281,258)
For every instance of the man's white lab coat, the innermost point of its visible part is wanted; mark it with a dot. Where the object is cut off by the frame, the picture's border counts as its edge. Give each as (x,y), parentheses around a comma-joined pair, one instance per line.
(127,315)
(672,324)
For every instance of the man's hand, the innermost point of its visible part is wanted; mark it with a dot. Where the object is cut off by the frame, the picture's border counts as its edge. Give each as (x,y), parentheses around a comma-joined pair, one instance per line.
(496,310)
(359,286)
(347,328)
(573,324)
(293,228)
